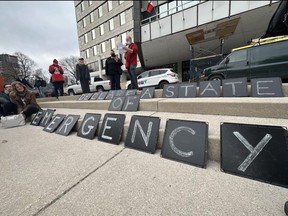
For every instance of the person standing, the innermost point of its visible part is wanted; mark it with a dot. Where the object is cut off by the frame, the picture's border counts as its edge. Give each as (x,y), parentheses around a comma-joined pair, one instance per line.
(82,74)
(113,70)
(57,78)
(23,80)
(6,106)
(131,61)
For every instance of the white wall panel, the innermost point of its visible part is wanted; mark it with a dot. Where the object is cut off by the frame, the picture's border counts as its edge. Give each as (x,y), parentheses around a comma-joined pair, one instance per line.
(205,12)
(165,29)
(190,19)
(145,33)
(221,9)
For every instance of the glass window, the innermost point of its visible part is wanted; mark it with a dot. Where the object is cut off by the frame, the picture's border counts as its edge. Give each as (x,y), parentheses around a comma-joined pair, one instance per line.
(122,18)
(84,22)
(172,7)
(100,12)
(103,47)
(187,4)
(94,50)
(102,29)
(123,38)
(143,75)
(238,56)
(110,5)
(164,71)
(93,33)
(120,2)
(85,38)
(112,43)
(91,17)
(87,53)
(103,61)
(154,73)
(82,6)
(163,10)
(111,24)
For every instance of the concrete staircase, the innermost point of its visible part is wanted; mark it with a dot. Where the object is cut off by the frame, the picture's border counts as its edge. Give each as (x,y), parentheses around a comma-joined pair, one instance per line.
(214,111)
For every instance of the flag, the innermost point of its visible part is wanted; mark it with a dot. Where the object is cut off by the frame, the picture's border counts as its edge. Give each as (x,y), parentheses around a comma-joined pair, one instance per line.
(150,7)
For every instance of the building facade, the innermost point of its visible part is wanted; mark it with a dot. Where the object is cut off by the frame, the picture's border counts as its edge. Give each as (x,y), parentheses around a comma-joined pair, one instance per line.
(9,67)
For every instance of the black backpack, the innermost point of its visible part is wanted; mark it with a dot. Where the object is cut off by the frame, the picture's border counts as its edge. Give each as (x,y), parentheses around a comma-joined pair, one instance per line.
(43,83)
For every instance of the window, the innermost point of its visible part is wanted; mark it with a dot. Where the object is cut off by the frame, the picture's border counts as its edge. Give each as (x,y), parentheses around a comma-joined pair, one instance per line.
(111,24)
(102,29)
(112,43)
(93,32)
(164,71)
(143,75)
(154,73)
(91,17)
(90,2)
(100,12)
(103,61)
(238,56)
(120,2)
(110,5)
(163,10)
(94,50)
(172,7)
(82,6)
(122,18)
(123,38)
(187,4)
(103,47)
(87,53)
(85,38)
(84,23)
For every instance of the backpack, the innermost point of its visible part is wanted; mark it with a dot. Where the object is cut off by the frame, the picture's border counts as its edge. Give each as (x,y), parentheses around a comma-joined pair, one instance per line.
(43,83)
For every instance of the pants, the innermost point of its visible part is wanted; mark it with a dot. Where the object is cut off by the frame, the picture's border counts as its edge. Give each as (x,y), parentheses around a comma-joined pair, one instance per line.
(85,86)
(7,107)
(30,109)
(41,93)
(58,86)
(115,82)
(133,76)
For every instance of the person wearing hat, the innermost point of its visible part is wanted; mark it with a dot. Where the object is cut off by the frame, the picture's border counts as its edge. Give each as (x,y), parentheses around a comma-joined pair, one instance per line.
(57,78)
(83,75)
(113,70)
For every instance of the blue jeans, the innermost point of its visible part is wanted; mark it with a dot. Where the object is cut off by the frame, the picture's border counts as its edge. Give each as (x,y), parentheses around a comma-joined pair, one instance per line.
(133,76)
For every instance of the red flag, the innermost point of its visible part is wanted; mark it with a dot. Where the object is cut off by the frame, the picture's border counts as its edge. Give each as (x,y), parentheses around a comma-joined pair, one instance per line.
(150,7)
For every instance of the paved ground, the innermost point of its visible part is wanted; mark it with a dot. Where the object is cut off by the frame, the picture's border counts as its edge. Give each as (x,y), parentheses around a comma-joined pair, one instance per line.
(48,174)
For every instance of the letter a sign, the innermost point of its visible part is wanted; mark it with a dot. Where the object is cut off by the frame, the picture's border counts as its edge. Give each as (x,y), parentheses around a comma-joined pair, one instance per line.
(255,151)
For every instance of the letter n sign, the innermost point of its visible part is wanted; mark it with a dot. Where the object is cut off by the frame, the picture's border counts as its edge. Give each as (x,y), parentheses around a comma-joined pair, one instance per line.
(143,133)
(186,141)
(255,151)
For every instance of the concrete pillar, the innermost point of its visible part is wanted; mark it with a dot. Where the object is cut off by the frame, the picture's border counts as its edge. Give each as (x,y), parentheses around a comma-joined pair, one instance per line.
(179,70)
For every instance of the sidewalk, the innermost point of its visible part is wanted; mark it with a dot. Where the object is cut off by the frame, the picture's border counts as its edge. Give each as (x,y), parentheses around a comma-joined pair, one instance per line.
(49,174)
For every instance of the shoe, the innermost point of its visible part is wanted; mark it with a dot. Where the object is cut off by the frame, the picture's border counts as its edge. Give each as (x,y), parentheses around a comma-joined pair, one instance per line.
(286,208)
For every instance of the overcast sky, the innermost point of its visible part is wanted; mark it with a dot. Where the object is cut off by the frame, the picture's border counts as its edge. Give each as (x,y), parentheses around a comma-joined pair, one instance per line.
(42,30)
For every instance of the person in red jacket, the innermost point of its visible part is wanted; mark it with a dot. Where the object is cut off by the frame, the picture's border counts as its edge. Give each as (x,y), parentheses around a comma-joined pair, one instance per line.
(131,61)
(57,78)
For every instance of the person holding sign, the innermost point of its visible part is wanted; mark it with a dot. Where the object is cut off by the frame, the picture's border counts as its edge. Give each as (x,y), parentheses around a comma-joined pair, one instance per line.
(82,74)
(113,70)
(131,61)
(57,78)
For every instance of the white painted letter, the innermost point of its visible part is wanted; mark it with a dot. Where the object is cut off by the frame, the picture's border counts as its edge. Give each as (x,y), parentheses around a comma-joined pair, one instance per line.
(146,92)
(144,136)
(258,88)
(51,123)
(38,115)
(209,87)
(90,127)
(172,93)
(128,102)
(114,101)
(107,127)
(186,89)
(67,122)
(233,86)
(46,118)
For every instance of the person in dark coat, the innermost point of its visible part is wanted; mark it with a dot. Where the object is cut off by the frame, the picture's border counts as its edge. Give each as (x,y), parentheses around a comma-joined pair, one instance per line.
(82,74)
(24,81)
(6,106)
(113,70)
(57,78)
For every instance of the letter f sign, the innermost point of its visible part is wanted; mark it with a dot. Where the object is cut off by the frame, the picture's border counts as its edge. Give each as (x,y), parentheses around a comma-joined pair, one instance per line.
(254,152)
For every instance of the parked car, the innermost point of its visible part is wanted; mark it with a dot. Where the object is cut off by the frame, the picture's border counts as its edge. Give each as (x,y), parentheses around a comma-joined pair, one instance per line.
(156,77)
(48,90)
(96,84)
(265,59)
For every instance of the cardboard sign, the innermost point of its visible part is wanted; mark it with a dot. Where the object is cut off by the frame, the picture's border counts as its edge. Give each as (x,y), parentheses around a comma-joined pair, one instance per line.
(95,96)
(186,141)
(46,117)
(85,97)
(67,125)
(143,133)
(111,128)
(235,87)
(110,95)
(116,104)
(54,123)
(187,90)
(131,92)
(255,151)
(37,118)
(89,125)
(170,91)
(209,88)
(102,96)
(267,87)
(131,103)
(147,93)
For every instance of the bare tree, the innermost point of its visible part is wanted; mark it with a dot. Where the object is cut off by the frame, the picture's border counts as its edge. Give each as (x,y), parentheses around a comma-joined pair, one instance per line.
(26,64)
(40,73)
(69,65)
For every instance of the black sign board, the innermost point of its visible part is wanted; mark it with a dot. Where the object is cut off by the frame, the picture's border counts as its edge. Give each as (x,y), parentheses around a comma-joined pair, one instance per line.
(131,103)
(131,92)
(111,128)
(102,96)
(46,117)
(86,96)
(187,90)
(186,141)
(67,125)
(89,125)
(255,151)
(110,95)
(235,87)
(147,93)
(116,104)
(143,133)
(37,118)
(209,88)
(95,96)
(170,91)
(267,87)
(120,93)
(54,123)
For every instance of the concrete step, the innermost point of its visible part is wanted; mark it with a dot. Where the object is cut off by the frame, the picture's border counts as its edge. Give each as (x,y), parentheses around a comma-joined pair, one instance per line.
(251,107)
(213,121)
